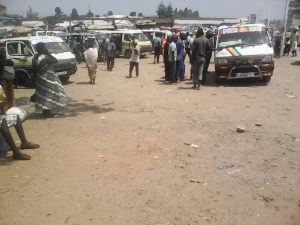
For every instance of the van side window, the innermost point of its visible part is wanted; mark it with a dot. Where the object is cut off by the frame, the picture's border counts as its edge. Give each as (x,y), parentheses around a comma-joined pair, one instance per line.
(127,37)
(12,48)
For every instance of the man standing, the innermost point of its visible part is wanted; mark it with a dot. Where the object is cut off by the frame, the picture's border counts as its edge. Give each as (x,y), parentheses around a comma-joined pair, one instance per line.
(180,67)
(157,47)
(209,36)
(135,59)
(172,60)
(188,45)
(199,50)
(166,55)
(110,54)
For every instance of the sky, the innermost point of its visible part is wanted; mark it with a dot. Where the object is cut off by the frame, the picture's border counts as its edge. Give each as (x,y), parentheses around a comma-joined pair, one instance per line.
(207,8)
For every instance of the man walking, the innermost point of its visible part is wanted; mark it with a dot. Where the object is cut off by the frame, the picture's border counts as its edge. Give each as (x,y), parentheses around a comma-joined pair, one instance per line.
(172,60)
(135,59)
(110,54)
(199,50)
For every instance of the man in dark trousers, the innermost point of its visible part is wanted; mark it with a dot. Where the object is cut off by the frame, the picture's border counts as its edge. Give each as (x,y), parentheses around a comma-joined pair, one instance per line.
(199,50)
(209,36)
(110,54)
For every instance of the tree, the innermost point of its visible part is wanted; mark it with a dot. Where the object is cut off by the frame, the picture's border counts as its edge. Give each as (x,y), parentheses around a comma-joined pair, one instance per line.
(175,12)
(97,16)
(161,10)
(58,12)
(295,8)
(30,14)
(90,14)
(74,14)
(104,15)
(196,14)
(170,11)
(140,15)
(110,13)
(132,14)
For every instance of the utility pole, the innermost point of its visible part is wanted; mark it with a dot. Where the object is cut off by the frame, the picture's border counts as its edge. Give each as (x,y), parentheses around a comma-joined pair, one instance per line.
(284,25)
(270,8)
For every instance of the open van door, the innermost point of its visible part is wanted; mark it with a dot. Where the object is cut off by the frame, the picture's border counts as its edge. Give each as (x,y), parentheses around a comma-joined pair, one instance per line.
(22,56)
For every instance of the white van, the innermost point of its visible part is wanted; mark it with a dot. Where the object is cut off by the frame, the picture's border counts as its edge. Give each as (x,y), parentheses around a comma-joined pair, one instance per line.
(122,41)
(244,51)
(21,51)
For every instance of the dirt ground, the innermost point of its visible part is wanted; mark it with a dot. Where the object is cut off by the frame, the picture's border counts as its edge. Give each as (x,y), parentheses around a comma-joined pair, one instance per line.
(117,155)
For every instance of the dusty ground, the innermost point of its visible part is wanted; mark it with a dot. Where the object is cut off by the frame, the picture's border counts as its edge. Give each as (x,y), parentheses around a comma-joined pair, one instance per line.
(118,155)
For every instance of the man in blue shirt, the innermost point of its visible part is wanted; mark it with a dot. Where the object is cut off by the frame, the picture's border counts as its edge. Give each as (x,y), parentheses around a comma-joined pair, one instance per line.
(180,68)
(157,47)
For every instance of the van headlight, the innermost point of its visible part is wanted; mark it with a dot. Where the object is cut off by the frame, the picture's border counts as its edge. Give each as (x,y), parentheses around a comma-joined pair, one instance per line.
(73,62)
(222,61)
(267,58)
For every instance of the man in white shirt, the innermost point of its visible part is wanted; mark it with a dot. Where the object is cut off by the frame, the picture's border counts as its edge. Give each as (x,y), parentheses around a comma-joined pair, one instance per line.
(172,60)
(91,56)
(135,59)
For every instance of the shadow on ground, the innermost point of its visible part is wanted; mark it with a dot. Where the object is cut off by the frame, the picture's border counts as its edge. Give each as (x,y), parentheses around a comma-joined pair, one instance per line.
(297,63)
(74,108)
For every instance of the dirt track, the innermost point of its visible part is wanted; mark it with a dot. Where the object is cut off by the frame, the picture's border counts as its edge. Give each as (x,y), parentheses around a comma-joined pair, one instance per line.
(118,155)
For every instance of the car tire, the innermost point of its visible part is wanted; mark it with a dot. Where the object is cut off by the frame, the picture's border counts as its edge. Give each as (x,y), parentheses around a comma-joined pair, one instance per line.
(267,79)
(65,79)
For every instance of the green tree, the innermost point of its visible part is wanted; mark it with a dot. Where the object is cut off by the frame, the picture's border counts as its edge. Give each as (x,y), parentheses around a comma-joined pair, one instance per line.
(132,14)
(161,10)
(140,15)
(110,13)
(175,12)
(104,15)
(196,14)
(30,14)
(170,11)
(90,14)
(295,8)
(185,12)
(58,12)
(74,14)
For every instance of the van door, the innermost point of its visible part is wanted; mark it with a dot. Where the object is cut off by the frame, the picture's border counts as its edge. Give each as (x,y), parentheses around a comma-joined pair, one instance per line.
(19,53)
(117,39)
(126,43)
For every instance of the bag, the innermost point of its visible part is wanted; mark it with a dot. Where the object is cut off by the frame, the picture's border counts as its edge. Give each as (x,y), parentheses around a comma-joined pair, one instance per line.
(23,113)
(8,73)
(2,95)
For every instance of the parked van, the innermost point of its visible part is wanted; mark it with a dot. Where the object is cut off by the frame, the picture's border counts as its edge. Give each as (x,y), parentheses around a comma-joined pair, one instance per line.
(123,38)
(244,51)
(21,51)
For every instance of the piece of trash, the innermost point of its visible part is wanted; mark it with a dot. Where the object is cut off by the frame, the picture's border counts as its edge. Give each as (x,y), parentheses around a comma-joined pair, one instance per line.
(268,179)
(102,118)
(266,199)
(214,108)
(291,96)
(153,89)
(143,86)
(193,180)
(180,166)
(258,124)
(289,92)
(186,100)
(192,145)
(297,139)
(276,207)
(168,90)
(232,172)
(224,167)
(241,129)
(156,157)
(144,111)
(101,156)
(191,154)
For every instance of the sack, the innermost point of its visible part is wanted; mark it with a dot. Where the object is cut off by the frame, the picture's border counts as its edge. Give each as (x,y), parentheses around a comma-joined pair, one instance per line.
(23,113)
(2,95)
(8,73)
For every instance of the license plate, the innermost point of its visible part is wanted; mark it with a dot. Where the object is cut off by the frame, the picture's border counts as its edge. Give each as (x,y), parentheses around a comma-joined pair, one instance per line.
(62,73)
(245,74)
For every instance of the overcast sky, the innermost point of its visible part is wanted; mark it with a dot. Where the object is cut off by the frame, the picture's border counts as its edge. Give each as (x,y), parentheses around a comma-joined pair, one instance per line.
(208,8)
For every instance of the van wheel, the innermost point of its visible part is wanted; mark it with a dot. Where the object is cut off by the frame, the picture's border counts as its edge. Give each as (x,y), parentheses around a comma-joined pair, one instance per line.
(65,79)
(29,82)
(127,54)
(267,79)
